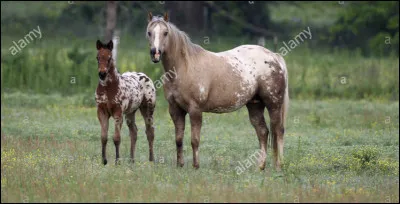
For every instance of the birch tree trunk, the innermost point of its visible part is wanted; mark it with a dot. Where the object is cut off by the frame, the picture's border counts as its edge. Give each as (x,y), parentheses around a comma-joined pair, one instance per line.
(111,20)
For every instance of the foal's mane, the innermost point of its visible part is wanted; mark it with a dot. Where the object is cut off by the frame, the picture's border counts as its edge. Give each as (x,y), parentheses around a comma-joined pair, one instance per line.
(180,43)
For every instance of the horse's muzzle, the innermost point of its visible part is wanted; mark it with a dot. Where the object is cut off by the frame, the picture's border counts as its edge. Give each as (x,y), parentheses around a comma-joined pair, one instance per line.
(102,75)
(154,60)
(155,56)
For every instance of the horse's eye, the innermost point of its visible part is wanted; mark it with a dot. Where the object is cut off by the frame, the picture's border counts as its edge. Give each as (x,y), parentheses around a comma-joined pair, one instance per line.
(165,33)
(148,33)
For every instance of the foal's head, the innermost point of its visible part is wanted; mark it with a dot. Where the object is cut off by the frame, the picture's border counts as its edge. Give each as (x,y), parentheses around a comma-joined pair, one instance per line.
(157,34)
(104,58)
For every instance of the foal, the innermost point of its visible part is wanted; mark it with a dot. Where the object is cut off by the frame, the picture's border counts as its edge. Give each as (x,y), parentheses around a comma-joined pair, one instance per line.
(122,94)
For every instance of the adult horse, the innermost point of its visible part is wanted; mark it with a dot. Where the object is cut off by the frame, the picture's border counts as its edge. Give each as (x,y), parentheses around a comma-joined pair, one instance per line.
(219,83)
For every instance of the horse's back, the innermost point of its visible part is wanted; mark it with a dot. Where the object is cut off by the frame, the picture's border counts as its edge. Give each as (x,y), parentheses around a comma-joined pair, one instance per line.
(259,68)
(149,92)
(136,88)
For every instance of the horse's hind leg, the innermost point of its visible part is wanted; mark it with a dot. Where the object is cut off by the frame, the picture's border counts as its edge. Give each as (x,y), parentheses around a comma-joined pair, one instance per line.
(130,121)
(147,111)
(256,115)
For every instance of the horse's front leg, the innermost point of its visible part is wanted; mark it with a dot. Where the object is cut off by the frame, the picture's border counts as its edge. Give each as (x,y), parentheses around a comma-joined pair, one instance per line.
(195,122)
(103,116)
(178,116)
(117,135)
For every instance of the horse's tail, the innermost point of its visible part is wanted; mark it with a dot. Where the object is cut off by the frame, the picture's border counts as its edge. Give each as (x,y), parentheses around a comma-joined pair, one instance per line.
(285,106)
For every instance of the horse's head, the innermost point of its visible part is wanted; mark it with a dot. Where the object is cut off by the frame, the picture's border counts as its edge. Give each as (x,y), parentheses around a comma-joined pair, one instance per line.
(157,34)
(104,58)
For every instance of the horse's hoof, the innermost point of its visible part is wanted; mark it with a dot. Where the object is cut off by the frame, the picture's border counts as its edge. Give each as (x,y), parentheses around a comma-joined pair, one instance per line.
(196,166)
(118,162)
(179,164)
(104,161)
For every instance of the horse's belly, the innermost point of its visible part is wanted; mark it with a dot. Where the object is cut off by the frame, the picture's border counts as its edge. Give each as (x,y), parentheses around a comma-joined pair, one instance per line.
(130,102)
(228,102)
(223,109)
(130,94)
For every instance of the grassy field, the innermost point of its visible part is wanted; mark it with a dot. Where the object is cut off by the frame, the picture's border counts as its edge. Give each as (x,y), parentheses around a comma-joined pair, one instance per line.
(335,150)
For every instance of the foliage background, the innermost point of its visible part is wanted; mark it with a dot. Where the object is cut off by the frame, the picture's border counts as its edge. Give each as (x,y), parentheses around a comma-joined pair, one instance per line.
(355,40)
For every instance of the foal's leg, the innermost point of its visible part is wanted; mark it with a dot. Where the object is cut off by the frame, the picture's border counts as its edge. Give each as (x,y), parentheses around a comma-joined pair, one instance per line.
(256,115)
(117,134)
(147,113)
(130,121)
(103,117)
(277,132)
(178,117)
(195,122)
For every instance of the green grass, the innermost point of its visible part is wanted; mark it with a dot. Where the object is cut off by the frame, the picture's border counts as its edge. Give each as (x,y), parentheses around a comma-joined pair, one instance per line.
(335,151)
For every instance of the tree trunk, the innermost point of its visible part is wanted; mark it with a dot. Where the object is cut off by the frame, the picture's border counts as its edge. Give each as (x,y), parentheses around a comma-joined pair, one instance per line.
(187,15)
(111,20)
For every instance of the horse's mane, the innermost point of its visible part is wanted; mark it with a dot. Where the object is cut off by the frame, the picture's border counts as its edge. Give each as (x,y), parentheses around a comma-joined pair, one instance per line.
(180,43)
(191,48)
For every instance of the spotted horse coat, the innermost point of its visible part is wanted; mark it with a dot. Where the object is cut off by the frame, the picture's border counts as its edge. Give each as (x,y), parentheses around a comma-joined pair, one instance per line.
(117,95)
(134,89)
(220,82)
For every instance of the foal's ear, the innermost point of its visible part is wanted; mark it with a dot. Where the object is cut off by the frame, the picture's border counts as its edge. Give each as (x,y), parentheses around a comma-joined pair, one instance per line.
(149,17)
(166,17)
(99,45)
(110,45)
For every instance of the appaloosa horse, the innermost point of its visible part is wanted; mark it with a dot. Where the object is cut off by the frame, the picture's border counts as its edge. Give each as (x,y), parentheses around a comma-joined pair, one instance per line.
(219,83)
(123,94)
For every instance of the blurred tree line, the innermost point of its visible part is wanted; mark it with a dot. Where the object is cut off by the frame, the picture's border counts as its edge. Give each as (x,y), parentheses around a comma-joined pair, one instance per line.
(342,32)
(372,27)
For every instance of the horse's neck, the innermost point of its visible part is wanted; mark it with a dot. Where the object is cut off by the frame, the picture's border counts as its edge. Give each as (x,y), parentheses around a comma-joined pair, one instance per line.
(177,61)
(112,77)
(170,64)
(173,66)
(114,74)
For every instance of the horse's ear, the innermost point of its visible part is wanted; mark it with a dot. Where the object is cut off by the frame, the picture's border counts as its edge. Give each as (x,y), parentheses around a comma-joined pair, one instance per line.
(166,17)
(149,17)
(110,45)
(99,45)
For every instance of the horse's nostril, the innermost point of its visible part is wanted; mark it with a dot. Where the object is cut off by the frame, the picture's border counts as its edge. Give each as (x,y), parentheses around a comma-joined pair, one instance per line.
(102,75)
(153,51)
